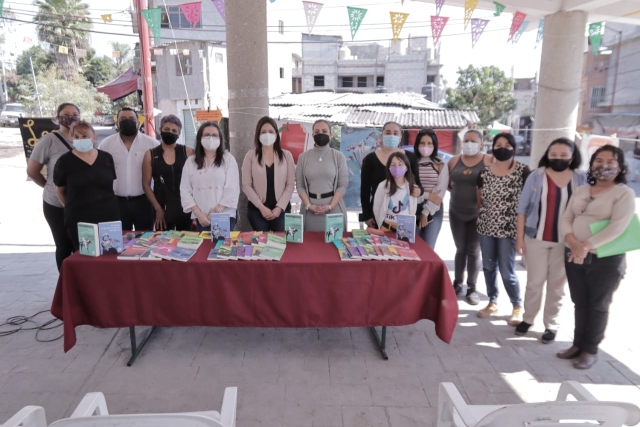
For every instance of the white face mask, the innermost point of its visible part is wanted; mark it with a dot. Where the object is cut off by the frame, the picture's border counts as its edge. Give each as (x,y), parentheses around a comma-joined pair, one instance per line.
(210,143)
(268,139)
(470,148)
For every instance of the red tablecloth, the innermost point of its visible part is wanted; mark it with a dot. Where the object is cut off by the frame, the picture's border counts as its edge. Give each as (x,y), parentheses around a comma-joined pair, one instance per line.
(310,287)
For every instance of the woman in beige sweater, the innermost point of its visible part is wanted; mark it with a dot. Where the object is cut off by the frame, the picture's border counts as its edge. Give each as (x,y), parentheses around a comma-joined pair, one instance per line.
(268,178)
(593,279)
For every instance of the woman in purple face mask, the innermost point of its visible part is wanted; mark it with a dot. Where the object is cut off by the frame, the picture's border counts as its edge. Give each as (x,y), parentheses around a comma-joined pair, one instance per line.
(393,196)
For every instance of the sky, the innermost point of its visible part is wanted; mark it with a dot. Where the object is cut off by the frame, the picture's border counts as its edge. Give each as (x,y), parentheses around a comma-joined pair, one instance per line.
(455,43)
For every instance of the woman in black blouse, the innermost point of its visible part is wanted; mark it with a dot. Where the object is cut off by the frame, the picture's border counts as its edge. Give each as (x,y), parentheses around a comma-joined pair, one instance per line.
(83,181)
(374,170)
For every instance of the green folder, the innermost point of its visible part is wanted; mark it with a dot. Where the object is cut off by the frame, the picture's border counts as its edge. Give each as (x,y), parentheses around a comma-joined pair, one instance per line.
(626,242)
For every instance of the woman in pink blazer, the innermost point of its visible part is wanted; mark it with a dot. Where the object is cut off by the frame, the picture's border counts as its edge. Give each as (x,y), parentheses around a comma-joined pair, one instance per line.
(268,178)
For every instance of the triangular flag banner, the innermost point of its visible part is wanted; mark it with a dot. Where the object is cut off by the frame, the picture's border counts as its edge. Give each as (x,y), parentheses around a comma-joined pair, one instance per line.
(518,19)
(220,6)
(439,4)
(191,11)
(437,25)
(107,18)
(356,15)
(81,53)
(499,8)
(595,36)
(45,45)
(200,53)
(397,22)
(311,11)
(63,49)
(1,6)
(153,18)
(540,32)
(186,52)
(522,29)
(173,51)
(469,7)
(477,28)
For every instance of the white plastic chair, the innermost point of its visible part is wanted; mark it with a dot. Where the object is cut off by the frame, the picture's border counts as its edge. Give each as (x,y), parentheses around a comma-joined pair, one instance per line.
(454,412)
(92,412)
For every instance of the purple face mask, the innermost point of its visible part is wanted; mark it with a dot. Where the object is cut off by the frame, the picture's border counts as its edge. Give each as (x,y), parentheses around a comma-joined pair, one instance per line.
(398,171)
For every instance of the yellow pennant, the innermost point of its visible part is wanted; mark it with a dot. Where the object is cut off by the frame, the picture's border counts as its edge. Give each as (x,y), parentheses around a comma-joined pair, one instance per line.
(63,50)
(107,18)
(469,7)
(397,22)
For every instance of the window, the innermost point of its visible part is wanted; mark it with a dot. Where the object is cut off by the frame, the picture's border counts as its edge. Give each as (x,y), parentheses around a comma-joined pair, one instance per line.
(281,27)
(282,73)
(347,82)
(362,82)
(183,63)
(431,79)
(219,58)
(380,81)
(597,97)
(172,17)
(318,81)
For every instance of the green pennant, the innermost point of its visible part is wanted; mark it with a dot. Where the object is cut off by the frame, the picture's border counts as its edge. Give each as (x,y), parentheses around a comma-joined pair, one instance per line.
(499,8)
(595,36)
(153,18)
(1,6)
(356,15)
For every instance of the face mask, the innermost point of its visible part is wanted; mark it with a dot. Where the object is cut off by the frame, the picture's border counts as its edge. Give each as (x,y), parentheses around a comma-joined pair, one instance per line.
(398,171)
(169,138)
(210,143)
(502,154)
(68,121)
(128,127)
(559,165)
(321,139)
(470,148)
(268,139)
(425,151)
(605,173)
(83,145)
(391,141)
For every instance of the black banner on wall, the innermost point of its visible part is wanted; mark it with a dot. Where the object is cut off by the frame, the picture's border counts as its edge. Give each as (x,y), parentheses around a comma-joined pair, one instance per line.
(32,129)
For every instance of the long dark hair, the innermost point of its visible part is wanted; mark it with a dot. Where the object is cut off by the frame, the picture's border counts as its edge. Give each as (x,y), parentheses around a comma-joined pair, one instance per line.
(619,155)
(416,145)
(200,149)
(408,175)
(576,158)
(277,147)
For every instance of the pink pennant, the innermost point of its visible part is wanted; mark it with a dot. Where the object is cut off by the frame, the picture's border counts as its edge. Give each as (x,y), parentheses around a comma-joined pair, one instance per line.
(220,6)
(437,25)
(191,11)
(477,28)
(518,19)
(439,4)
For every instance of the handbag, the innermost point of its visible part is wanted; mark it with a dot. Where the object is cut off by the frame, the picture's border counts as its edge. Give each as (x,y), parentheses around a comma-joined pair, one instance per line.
(628,241)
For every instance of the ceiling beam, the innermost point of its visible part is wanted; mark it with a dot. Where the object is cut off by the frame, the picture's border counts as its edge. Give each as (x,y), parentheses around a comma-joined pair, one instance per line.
(587,5)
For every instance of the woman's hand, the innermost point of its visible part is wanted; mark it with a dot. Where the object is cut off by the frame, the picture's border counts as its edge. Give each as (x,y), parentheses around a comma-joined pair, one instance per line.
(217,209)
(266,212)
(325,209)
(315,209)
(423,221)
(520,249)
(578,249)
(574,259)
(370,222)
(160,223)
(275,213)
(416,191)
(203,219)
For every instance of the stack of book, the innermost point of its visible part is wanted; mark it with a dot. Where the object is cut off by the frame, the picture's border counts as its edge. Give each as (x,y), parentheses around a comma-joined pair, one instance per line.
(249,246)
(170,245)
(365,246)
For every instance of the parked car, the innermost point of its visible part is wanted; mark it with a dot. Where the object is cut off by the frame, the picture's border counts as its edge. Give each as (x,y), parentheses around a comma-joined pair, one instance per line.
(10,114)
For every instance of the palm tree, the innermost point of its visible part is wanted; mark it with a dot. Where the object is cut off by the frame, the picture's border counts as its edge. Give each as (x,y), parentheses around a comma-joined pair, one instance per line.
(125,60)
(64,23)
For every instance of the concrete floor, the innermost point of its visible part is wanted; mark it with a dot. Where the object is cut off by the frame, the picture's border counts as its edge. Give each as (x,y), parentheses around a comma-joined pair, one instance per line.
(286,377)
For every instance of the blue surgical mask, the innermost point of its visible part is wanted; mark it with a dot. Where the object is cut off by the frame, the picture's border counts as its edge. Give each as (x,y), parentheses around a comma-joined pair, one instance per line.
(391,141)
(83,145)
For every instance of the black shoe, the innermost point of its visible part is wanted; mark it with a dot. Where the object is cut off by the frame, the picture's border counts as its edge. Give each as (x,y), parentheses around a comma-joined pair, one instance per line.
(548,336)
(458,288)
(522,328)
(473,298)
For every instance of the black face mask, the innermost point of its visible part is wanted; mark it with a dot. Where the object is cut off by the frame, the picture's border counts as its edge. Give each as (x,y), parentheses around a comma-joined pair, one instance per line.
(321,139)
(169,138)
(502,154)
(128,127)
(559,165)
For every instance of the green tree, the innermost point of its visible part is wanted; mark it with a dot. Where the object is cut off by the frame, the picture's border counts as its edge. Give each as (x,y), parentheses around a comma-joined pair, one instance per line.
(64,23)
(41,61)
(99,71)
(126,56)
(486,90)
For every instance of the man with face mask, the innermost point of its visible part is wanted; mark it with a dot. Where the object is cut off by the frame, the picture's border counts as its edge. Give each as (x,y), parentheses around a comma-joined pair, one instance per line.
(128,148)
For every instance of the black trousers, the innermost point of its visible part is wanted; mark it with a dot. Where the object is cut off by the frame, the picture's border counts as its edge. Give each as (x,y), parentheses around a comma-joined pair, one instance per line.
(136,213)
(592,287)
(55,219)
(467,241)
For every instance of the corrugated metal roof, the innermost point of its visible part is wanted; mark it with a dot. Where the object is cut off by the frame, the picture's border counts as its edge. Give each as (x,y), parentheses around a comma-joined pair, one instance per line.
(405,99)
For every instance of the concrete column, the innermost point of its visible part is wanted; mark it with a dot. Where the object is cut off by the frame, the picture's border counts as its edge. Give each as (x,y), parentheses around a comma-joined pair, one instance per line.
(247,60)
(560,79)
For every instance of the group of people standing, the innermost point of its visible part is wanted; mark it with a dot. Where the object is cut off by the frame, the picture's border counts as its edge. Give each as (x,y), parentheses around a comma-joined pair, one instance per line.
(498,207)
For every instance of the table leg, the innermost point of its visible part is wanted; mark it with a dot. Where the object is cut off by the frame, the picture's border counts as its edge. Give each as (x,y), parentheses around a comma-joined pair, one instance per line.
(381,341)
(136,349)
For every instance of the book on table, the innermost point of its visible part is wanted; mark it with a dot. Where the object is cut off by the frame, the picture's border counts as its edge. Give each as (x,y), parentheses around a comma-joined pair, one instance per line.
(339,245)
(171,234)
(181,254)
(262,239)
(111,241)
(356,232)
(406,228)
(132,253)
(408,254)
(272,253)
(247,252)
(162,251)
(245,237)
(189,234)
(220,226)
(224,252)
(399,244)
(256,251)
(89,239)
(354,252)
(148,255)
(205,235)
(333,227)
(346,256)
(294,228)
(256,237)
(190,242)
(234,253)
(276,241)
(213,255)
(395,256)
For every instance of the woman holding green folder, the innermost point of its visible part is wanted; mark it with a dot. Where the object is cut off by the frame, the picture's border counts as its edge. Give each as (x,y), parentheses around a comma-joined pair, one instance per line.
(593,279)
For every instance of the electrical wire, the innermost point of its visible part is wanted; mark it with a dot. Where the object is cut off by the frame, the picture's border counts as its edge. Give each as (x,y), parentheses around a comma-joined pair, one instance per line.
(21,320)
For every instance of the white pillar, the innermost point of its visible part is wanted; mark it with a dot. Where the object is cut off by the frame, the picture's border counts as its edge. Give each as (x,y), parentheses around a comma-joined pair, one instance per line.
(560,80)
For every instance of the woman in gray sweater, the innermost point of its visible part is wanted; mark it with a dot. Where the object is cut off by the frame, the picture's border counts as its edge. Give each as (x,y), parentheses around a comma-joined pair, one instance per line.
(322,178)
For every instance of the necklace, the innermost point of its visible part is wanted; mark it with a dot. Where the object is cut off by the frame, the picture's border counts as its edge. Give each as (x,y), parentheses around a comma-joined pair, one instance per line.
(320,159)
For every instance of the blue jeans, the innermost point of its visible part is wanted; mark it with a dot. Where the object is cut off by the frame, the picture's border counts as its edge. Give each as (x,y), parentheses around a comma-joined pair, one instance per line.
(500,253)
(232,222)
(259,223)
(430,233)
